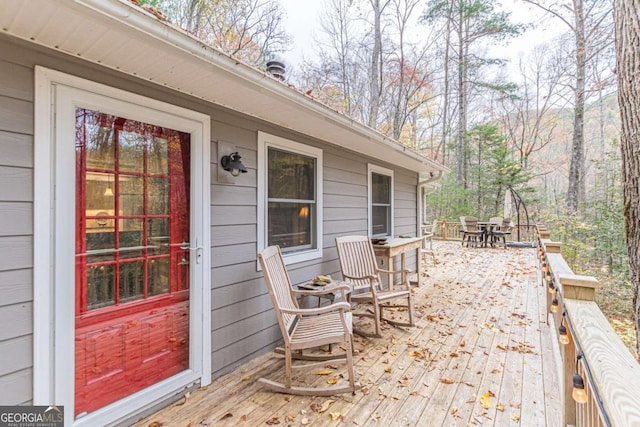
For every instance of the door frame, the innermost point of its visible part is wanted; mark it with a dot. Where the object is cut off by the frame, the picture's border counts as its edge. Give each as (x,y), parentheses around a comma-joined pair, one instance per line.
(56,96)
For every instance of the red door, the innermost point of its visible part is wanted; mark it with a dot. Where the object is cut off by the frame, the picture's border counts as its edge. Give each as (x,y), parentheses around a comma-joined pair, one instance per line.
(132,258)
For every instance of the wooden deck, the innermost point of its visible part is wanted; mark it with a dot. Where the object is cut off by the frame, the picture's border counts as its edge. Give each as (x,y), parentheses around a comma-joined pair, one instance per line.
(480,355)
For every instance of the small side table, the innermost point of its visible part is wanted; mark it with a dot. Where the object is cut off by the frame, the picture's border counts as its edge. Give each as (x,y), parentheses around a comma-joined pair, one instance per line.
(324,291)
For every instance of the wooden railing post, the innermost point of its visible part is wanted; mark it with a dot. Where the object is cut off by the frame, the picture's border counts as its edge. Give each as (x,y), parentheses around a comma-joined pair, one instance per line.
(575,287)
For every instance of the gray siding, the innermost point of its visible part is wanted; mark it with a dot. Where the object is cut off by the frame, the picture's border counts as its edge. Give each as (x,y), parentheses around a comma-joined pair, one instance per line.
(16,233)
(243,324)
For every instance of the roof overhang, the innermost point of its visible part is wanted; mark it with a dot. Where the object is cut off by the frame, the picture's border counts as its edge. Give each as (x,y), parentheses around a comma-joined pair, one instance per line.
(121,36)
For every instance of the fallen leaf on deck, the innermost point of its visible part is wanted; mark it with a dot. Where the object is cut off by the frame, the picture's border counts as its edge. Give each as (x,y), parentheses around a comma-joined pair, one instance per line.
(227,415)
(332,380)
(496,371)
(454,354)
(305,421)
(243,418)
(485,400)
(500,406)
(246,378)
(515,417)
(273,421)
(334,415)
(416,353)
(501,347)
(155,424)
(387,369)
(447,381)
(463,343)
(324,372)
(375,416)
(325,405)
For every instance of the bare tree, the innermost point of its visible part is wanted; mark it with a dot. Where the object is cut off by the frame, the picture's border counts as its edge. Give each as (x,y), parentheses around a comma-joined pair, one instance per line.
(627,23)
(250,30)
(471,22)
(376,64)
(588,21)
(529,115)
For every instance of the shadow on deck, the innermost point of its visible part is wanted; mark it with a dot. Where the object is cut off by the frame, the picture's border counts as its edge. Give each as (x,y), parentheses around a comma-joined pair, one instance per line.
(481,354)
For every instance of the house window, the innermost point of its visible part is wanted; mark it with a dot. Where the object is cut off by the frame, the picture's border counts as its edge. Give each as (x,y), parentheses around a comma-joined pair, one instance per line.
(290,188)
(380,201)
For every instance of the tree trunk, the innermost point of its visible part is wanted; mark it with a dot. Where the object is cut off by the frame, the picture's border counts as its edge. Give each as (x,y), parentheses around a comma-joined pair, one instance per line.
(445,108)
(376,64)
(627,17)
(576,190)
(462,108)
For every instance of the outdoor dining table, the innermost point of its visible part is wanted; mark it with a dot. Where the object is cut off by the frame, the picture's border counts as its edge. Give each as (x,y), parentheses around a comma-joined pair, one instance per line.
(486,228)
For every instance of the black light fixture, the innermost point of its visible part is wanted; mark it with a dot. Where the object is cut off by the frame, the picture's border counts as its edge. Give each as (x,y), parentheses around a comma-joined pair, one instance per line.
(552,287)
(555,305)
(579,394)
(232,164)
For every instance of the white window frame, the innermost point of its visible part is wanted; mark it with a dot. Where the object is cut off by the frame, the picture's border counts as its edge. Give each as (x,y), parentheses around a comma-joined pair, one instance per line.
(371,169)
(57,95)
(266,141)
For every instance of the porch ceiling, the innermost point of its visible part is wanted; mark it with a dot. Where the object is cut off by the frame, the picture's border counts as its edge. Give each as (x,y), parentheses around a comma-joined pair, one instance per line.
(120,36)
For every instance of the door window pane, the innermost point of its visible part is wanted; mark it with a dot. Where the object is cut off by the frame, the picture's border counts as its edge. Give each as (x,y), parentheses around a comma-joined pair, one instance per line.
(158,196)
(131,147)
(101,290)
(158,156)
(158,276)
(131,281)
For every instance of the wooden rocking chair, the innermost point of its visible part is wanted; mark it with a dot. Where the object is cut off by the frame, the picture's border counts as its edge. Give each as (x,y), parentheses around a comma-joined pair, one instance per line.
(359,267)
(304,329)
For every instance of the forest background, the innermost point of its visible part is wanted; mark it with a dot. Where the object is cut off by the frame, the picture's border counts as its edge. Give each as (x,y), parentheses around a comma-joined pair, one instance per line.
(436,76)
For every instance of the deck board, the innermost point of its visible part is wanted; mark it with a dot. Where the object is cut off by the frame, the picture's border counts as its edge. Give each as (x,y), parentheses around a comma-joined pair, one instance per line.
(481,327)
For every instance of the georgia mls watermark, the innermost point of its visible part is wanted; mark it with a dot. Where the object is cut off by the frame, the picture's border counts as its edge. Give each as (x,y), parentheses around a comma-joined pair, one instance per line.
(31,416)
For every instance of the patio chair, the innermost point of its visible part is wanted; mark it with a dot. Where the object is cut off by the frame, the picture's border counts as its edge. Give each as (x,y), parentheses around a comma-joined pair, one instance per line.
(470,231)
(500,229)
(428,231)
(359,267)
(304,329)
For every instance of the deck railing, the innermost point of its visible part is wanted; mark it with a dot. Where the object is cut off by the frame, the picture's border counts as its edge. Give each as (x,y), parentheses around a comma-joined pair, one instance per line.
(450,230)
(592,354)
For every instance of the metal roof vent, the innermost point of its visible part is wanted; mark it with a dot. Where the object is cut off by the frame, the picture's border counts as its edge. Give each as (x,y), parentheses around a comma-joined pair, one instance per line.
(276,68)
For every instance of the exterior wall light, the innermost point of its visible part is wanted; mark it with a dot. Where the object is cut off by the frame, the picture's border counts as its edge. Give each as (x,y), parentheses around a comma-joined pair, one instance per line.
(555,306)
(233,164)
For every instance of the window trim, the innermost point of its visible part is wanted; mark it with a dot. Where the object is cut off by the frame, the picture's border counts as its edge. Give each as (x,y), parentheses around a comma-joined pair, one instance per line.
(266,141)
(371,169)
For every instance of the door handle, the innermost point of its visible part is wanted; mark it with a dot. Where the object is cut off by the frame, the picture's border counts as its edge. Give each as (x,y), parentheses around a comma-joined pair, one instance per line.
(197,250)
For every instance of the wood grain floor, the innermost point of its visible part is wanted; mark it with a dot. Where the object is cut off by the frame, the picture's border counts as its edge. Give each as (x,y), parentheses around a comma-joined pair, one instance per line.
(480,355)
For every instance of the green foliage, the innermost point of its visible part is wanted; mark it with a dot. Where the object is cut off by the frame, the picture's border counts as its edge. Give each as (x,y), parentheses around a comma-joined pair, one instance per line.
(449,201)
(492,172)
